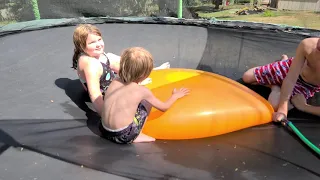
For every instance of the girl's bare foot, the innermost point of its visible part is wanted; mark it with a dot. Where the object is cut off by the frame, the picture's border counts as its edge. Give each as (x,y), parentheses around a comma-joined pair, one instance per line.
(165,65)
(145,82)
(143,138)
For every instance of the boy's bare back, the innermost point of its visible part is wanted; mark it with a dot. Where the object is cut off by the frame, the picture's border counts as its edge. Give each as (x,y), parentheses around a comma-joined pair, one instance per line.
(124,115)
(121,102)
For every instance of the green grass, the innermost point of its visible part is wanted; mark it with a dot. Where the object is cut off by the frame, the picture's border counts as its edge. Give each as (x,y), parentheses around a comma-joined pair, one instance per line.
(305,19)
(226,14)
(269,13)
(2,23)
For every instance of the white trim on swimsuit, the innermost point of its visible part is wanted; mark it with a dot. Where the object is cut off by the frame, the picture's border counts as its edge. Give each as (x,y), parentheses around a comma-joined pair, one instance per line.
(114,130)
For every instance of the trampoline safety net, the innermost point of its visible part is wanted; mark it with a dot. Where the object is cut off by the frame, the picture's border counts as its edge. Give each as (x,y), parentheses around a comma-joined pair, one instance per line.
(288,12)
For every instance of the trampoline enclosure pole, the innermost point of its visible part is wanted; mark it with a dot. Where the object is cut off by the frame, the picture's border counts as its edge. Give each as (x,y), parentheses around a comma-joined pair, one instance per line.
(179,9)
(35,9)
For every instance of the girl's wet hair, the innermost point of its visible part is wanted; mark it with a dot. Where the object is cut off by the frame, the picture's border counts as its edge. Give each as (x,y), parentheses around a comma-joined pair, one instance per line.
(80,36)
(136,64)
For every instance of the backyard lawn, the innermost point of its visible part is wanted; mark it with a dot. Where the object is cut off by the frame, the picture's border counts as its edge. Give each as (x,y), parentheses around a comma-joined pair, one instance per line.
(292,18)
(6,22)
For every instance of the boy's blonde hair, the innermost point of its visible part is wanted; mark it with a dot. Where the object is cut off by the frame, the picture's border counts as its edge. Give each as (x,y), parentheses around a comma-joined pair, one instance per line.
(80,36)
(136,64)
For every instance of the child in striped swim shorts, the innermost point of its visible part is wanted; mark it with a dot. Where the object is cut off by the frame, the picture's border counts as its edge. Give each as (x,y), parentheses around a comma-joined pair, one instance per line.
(274,74)
(292,80)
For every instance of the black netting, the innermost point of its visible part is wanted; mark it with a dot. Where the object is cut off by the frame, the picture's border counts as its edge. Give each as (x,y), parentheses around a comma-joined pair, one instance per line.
(22,10)
(295,13)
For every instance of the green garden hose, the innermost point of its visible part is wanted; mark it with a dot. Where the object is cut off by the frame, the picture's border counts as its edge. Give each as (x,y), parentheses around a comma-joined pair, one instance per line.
(285,122)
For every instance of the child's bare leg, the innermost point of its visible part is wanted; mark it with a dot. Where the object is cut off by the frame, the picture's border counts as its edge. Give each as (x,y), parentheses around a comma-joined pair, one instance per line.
(143,138)
(165,65)
(248,76)
(274,98)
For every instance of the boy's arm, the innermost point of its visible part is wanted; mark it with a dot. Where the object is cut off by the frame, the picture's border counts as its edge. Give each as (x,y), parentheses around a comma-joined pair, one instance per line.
(163,106)
(290,81)
(155,102)
(315,110)
(300,102)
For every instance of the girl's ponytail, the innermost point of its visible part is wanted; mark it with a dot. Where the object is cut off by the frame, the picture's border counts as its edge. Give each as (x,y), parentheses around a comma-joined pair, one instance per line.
(75,58)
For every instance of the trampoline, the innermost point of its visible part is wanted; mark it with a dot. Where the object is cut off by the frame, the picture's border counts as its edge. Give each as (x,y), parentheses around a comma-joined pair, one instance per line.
(43,105)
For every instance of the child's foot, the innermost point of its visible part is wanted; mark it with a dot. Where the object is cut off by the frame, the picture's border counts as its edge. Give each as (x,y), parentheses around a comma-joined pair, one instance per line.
(143,138)
(165,65)
(284,57)
(145,82)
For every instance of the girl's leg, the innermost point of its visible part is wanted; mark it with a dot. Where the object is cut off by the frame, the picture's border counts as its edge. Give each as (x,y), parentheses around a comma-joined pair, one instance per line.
(149,80)
(165,65)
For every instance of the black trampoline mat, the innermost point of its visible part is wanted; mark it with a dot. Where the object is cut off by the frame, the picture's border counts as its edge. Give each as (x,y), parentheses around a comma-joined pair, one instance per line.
(42,105)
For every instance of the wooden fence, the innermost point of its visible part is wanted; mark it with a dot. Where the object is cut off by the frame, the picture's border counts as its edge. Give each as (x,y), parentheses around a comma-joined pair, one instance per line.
(301,5)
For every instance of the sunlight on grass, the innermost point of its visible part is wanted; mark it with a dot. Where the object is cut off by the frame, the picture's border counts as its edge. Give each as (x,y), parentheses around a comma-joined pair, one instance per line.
(221,14)
(2,23)
(291,18)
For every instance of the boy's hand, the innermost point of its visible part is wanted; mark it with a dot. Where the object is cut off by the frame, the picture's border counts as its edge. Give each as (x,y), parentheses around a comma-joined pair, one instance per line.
(180,93)
(146,81)
(278,116)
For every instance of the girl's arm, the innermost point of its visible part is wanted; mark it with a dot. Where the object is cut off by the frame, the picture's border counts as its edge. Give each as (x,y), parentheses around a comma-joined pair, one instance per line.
(92,72)
(114,62)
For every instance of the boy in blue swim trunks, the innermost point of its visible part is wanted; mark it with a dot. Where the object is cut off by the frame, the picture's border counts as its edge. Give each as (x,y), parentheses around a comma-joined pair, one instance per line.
(123,113)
